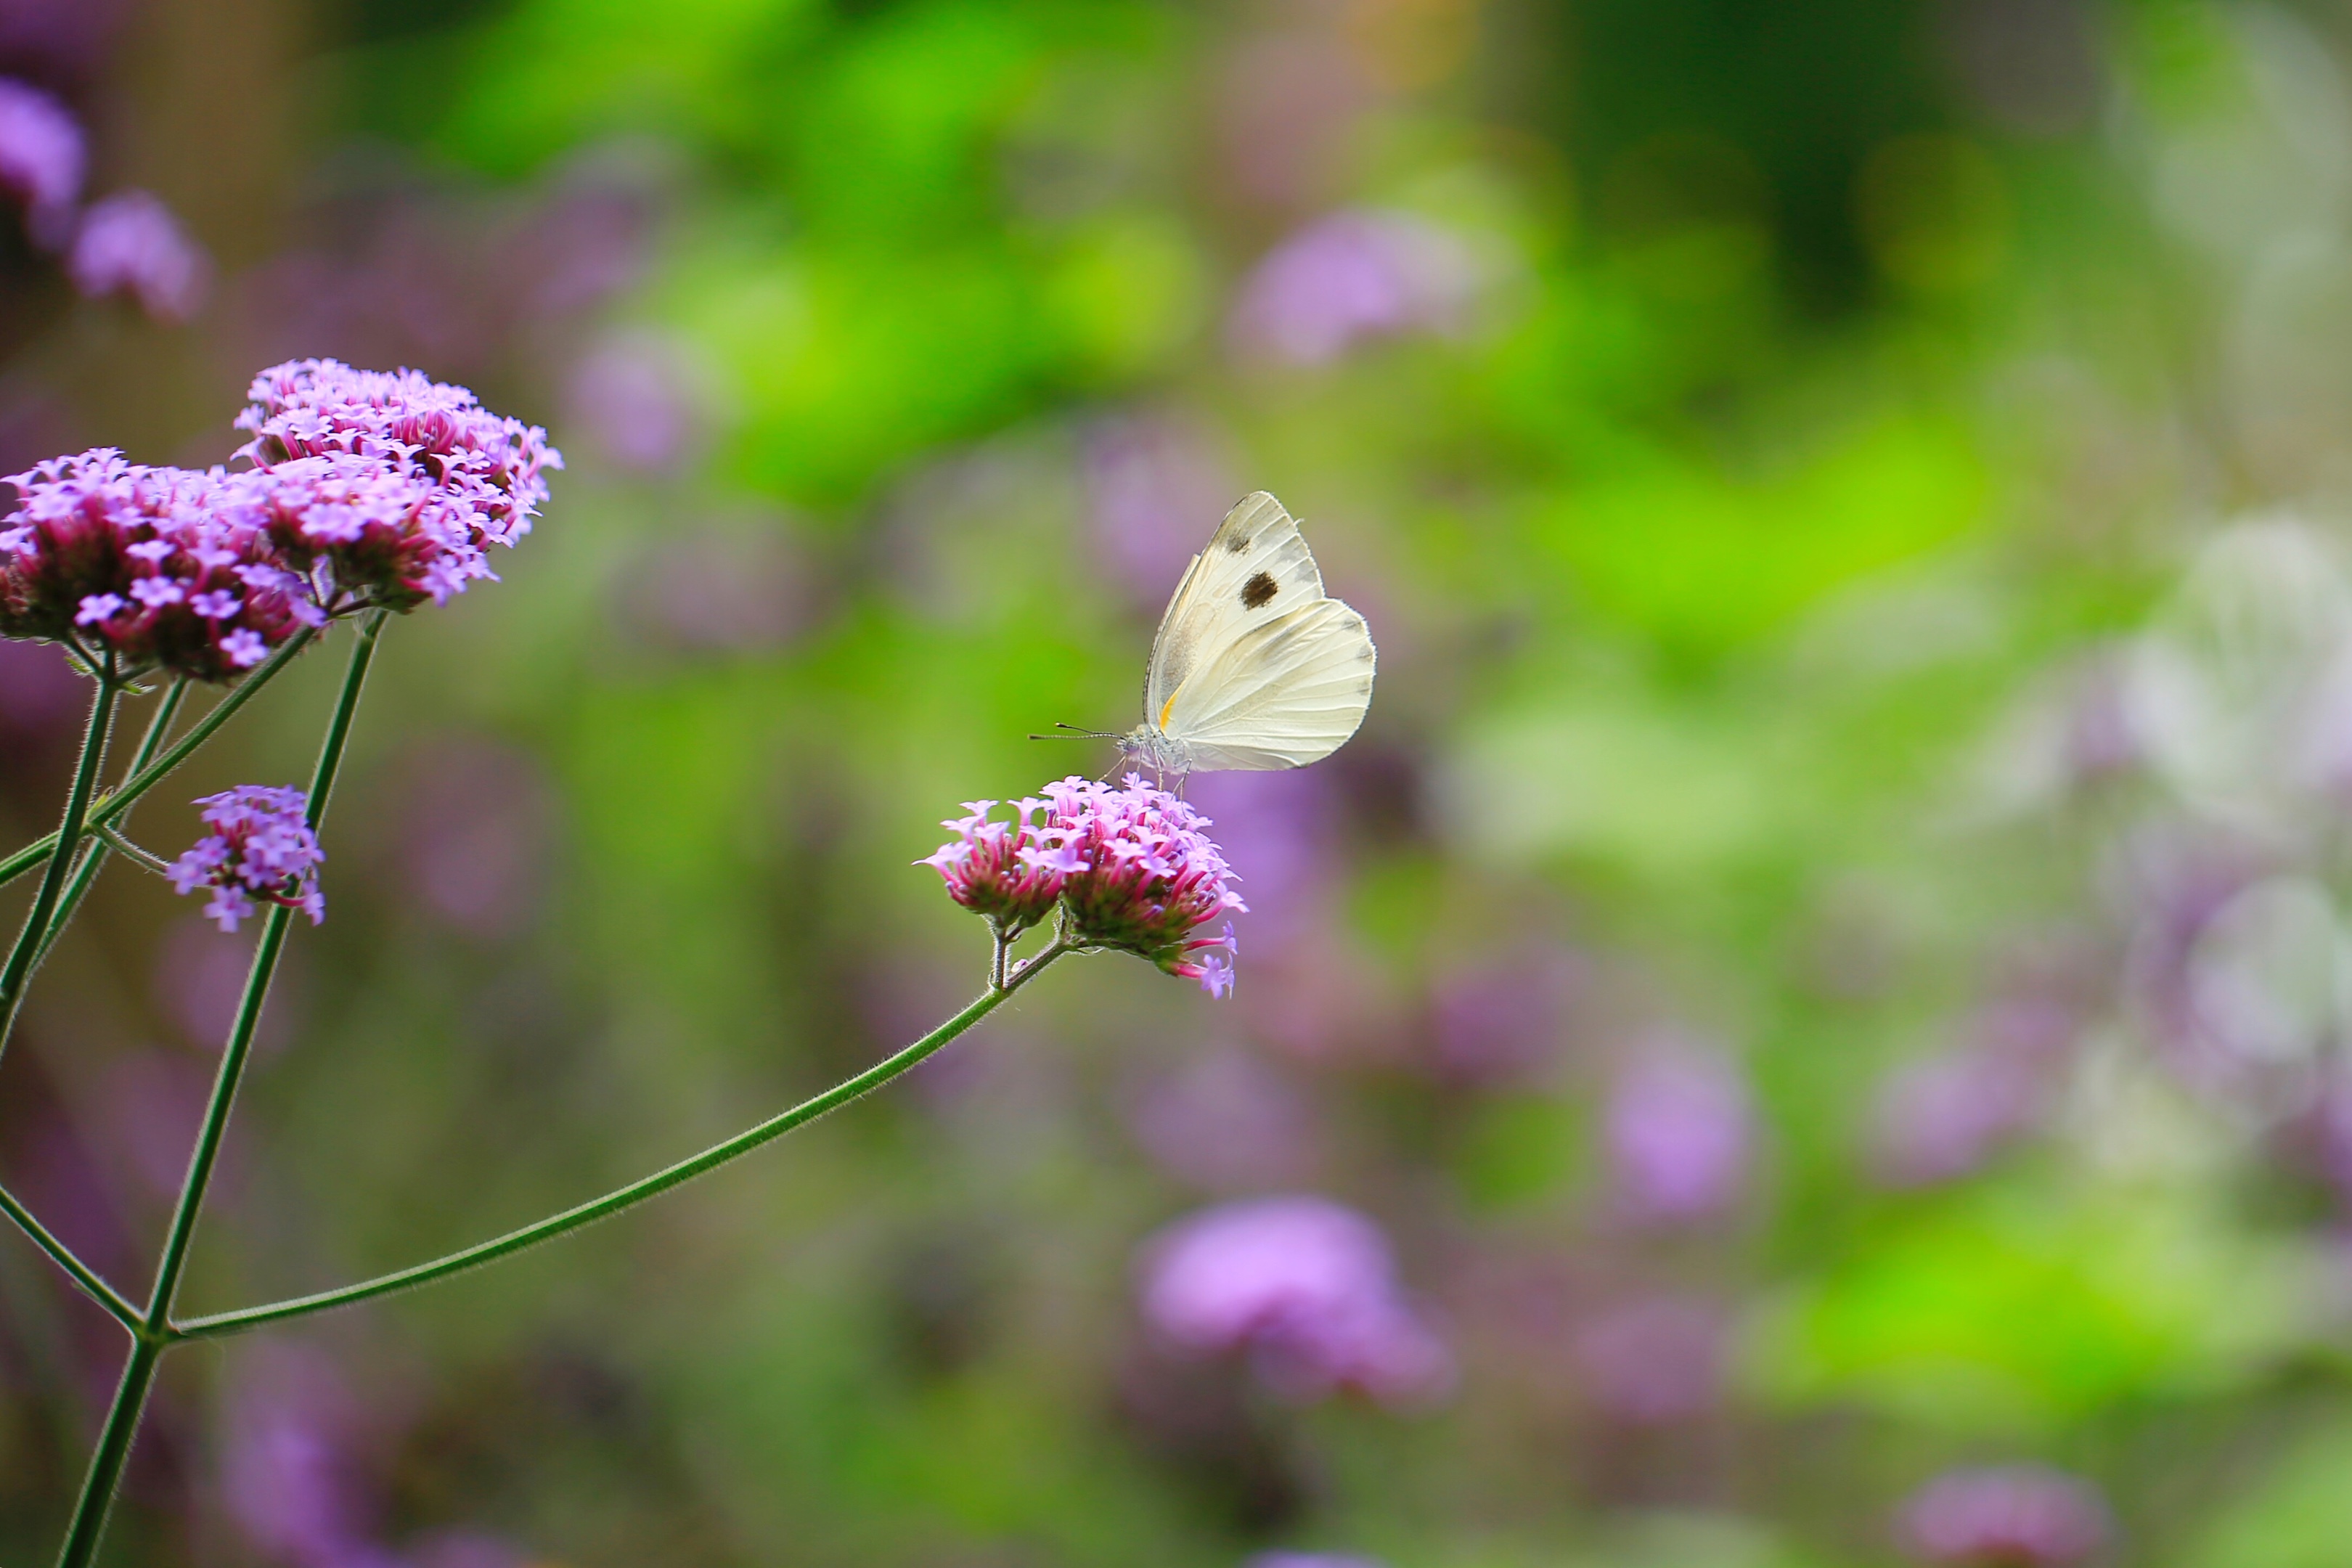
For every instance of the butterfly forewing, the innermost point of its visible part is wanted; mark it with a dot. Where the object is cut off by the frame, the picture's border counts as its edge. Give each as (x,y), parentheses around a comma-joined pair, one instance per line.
(1253,667)
(1255,568)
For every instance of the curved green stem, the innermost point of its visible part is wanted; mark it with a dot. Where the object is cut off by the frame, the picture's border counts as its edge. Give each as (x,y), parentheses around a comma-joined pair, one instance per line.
(154,1329)
(119,800)
(31,939)
(220,1323)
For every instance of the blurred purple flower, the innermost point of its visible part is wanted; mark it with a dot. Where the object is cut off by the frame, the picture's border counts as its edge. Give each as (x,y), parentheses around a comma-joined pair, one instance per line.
(131,243)
(1155,486)
(199,976)
(1680,1135)
(1227,1122)
(292,1476)
(2017,1516)
(153,1102)
(261,847)
(738,591)
(1655,1360)
(633,397)
(1494,1020)
(1307,1287)
(1309,1560)
(1279,826)
(41,158)
(1940,1119)
(477,836)
(1351,276)
(38,689)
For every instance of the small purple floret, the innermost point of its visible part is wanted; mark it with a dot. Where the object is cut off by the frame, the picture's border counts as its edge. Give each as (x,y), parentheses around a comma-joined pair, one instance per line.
(262,849)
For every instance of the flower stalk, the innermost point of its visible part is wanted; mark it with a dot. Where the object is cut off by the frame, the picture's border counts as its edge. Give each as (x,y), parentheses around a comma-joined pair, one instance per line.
(153,1333)
(32,938)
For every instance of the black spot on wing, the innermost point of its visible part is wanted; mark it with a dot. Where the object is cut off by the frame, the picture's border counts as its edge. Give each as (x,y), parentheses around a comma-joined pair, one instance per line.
(1258,590)
(1239,541)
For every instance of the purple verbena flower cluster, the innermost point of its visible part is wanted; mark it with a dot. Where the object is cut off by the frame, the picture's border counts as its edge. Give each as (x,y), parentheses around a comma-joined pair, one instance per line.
(367,490)
(159,567)
(2006,1516)
(1307,1288)
(1153,877)
(1131,869)
(1012,872)
(261,847)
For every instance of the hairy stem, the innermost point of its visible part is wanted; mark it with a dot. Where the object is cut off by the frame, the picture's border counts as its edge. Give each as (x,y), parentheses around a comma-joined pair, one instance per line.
(30,941)
(119,800)
(154,1329)
(636,1193)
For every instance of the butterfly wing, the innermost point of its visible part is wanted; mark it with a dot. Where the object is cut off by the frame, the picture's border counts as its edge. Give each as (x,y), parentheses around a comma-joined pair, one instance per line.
(1257,568)
(1253,667)
(1281,694)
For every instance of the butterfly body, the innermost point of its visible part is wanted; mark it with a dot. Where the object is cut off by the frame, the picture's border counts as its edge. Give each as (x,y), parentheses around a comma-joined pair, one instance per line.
(1254,667)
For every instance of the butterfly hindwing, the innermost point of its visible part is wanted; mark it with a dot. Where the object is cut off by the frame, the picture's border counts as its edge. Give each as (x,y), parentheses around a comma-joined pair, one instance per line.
(1281,695)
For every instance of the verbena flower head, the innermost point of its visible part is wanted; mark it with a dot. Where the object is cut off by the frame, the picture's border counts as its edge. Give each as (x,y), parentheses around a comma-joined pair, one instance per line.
(155,564)
(1130,869)
(261,849)
(1152,877)
(1307,1288)
(385,534)
(1012,872)
(2006,1516)
(41,157)
(131,243)
(491,469)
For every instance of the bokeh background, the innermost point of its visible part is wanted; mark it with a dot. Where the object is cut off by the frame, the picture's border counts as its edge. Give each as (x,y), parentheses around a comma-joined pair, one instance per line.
(1809,1026)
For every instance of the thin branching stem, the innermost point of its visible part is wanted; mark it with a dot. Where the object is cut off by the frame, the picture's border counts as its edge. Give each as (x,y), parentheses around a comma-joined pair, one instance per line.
(118,801)
(122,1417)
(82,1274)
(223,1323)
(31,941)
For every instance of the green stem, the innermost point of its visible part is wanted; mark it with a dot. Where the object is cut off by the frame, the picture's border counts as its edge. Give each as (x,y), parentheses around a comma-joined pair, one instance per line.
(637,1191)
(93,859)
(30,941)
(113,1449)
(153,1331)
(115,803)
(82,1274)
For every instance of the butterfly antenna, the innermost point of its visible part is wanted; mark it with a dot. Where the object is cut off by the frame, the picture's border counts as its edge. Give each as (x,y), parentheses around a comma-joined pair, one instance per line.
(1073,732)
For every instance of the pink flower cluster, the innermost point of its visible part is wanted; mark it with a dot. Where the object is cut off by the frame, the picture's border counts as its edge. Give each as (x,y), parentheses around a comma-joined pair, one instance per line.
(1131,869)
(159,567)
(1307,1288)
(365,490)
(261,847)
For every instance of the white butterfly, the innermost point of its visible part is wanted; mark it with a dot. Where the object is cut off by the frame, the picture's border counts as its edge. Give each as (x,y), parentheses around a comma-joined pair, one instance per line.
(1253,667)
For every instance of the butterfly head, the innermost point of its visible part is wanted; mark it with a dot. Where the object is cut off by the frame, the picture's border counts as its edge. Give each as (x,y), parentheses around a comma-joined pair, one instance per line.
(1147,747)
